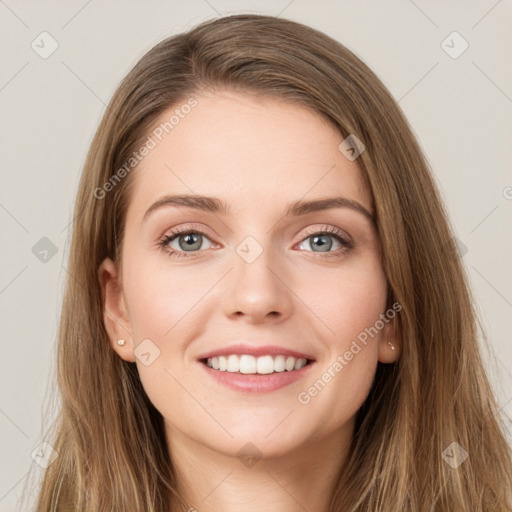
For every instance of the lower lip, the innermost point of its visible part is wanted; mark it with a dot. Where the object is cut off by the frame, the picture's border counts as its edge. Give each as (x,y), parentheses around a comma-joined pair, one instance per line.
(256,383)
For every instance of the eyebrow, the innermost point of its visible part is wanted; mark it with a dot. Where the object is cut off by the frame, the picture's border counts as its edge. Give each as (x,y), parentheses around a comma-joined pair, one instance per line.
(295,209)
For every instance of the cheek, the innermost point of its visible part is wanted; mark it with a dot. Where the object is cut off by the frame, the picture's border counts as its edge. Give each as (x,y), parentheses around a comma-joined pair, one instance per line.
(351,305)
(352,299)
(158,298)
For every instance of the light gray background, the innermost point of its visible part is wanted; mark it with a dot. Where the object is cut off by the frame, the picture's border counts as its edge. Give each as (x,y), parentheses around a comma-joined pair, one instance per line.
(460,109)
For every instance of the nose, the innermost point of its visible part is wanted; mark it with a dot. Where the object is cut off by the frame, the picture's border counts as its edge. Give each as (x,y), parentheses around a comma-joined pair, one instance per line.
(258,291)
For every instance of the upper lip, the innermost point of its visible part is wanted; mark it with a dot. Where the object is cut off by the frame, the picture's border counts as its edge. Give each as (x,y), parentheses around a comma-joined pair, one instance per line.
(253,350)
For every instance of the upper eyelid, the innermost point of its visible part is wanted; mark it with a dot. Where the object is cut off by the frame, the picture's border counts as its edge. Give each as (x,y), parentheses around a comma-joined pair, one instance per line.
(193,227)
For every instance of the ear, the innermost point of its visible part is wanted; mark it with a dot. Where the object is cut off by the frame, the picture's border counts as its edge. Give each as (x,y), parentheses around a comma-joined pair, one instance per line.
(390,344)
(115,314)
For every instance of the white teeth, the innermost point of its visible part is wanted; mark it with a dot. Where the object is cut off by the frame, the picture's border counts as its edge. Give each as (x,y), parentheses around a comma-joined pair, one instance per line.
(248,364)
(233,363)
(265,364)
(279,364)
(290,363)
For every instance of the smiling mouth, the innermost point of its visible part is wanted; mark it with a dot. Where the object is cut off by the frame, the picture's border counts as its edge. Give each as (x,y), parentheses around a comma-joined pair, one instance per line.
(246,364)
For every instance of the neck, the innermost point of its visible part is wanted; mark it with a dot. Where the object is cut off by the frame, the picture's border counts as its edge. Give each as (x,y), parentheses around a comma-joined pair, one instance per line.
(210,481)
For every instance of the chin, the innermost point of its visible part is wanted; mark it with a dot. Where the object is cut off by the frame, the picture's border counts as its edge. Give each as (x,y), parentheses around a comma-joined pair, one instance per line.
(266,439)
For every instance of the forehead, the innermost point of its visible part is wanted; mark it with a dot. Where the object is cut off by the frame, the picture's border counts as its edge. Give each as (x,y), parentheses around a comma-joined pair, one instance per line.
(254,152)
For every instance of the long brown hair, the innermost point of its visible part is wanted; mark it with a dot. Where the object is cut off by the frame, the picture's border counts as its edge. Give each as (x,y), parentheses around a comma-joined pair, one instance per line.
(112,453)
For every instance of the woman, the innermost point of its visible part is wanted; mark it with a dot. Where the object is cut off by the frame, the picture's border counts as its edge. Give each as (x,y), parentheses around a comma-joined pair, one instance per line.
(265,306)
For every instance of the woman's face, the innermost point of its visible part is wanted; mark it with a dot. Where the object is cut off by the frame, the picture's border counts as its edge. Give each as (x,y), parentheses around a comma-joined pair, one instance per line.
(246,276)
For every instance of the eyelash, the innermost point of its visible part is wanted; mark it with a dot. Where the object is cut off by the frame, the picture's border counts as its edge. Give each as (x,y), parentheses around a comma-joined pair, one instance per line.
(339,235)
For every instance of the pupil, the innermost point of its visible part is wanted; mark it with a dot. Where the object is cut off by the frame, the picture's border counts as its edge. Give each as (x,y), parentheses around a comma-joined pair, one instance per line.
(324,246)
(191,242)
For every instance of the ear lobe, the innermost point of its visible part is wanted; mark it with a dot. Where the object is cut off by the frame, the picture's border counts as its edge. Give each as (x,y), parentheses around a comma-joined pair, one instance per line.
(115,314)
(390,344)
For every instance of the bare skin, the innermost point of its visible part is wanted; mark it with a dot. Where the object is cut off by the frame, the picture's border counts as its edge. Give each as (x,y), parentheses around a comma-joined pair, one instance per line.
(258,156)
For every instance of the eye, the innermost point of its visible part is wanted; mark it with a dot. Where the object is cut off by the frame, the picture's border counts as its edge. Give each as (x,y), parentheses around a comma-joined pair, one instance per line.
(183,240)
(323,241)
(191,241)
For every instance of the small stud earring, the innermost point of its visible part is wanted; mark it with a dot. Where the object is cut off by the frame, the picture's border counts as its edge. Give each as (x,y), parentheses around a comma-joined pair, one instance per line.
(391,345)
(121,342)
